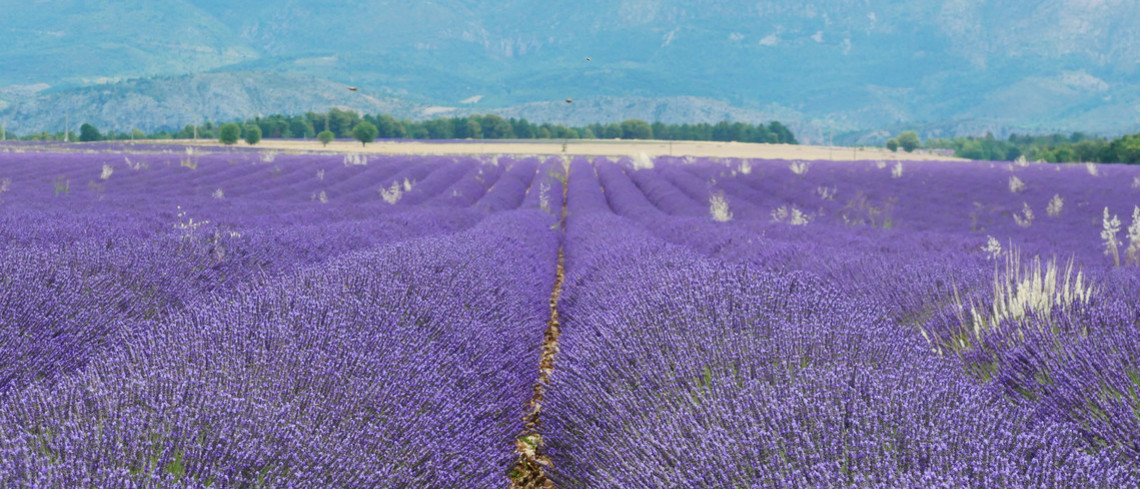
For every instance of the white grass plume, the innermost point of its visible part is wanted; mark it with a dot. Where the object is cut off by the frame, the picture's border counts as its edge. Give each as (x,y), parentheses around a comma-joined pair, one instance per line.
(745,167)
(1016,185)
(392,194)
(992,248)
(1019,291)
(880,164)
(321,175)
(1134,237)
(799,167)
(1092,168)
(641,161)
(321,197)
(268,156)
(789,214)
(107,171)
(1108,233)
(1055,205)
(897,170)
(826,193)
(718,207)
(1135,182)
(355,160)
(1025,217)
(218,194)
(408,184)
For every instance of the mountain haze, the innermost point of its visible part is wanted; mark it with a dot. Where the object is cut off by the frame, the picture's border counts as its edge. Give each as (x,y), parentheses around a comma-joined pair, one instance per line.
(951,66)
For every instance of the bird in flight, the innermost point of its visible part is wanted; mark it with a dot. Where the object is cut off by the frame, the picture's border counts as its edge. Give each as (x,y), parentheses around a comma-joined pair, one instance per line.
(352,89)
(587,59)
(569,100)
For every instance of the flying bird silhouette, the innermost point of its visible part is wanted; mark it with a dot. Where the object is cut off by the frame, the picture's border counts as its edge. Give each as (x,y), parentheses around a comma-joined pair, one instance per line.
(352,89)
(569,100)
(587,59)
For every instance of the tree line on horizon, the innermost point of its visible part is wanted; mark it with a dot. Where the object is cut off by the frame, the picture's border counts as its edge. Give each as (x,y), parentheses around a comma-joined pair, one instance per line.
(341,124)
(1077,147)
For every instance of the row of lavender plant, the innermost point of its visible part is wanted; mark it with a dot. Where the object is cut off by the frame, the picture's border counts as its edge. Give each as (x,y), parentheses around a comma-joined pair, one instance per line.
(156,331)
(760,351)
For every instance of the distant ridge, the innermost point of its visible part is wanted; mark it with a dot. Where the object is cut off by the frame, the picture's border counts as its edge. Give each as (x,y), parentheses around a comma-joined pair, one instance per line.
(851,69)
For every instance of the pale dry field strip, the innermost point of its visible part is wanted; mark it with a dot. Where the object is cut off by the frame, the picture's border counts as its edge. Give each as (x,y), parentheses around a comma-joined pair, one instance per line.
(595,148)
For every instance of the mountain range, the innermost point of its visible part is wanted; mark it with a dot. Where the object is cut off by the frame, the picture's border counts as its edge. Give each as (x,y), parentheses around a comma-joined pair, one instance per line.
(859,69)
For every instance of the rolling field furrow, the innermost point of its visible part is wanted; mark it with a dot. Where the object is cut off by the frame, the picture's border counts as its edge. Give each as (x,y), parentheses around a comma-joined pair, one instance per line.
(509,190)
(469,189)
(622,195)
(269,320)
(665,196)
(659,383)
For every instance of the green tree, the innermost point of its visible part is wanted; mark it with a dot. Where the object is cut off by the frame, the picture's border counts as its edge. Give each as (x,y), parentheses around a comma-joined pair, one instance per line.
(636,129)
(495,127)
(88,133)
(228,134)
(893,144)
(252,134)
(439,129)
(781,133)
(342,121)
(300,128)
(612,131)
(473,130)
(326,137)
(908,141)
(365,132)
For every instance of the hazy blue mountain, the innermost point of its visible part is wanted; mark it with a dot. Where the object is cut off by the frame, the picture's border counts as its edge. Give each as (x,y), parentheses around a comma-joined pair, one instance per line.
(844,65)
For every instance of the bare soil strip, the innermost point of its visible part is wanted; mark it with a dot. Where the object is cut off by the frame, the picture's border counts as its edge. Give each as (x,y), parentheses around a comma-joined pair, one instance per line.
(591,147)
(529,469)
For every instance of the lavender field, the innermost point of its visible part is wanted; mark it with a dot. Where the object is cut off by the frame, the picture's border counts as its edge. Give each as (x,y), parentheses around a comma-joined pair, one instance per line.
(251,319)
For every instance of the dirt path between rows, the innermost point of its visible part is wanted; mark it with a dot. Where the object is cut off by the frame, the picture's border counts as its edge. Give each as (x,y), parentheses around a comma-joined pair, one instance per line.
(529,471)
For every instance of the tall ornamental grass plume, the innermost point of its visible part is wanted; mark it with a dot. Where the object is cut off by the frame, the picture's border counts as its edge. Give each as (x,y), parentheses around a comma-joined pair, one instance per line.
(1055,205)
(268,156)
(745,167)
(107,171)
(1025,217)
(992,248)
(826,193)
(1133,251)
(718,207)
(799,167)
(880,164)
(322,197)
(1092,169)
(642,161)
(393,193)
(1020,291)
(5,184)
(321,174)
(1136,182)
(355,160)
(789,214)
(897,170)
(1111,227)
(1016,185)
(1021,161)
(218,194)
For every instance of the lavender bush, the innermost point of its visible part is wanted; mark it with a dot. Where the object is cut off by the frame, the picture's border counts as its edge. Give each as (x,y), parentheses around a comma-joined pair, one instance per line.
(239,318)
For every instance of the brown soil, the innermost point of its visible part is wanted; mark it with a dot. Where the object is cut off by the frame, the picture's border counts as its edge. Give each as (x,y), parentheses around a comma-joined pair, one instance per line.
(595,147)
(529,471)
